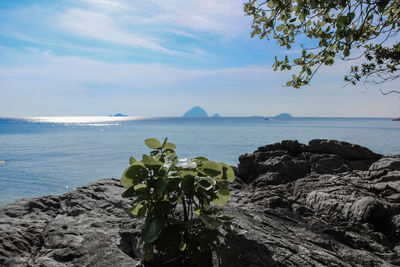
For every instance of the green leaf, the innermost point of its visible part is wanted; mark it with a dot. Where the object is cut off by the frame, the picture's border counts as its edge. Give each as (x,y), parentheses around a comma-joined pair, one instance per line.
(205,182)
(170,146)
(188,184)
(200,159)
(132,160)
(138,210)
(165,141)
(226,217)
(236,230)
(346,52)
(211,168)
(182,246)
(148,251)
(160,187)
(223,189)
(151,163)
(130,192)
(152,143)
(134,174)
(222,195)
(210,222)
(351,16)
(162,207)
(187,172)
(152,228)
(170,239)
(289,83)
(280,27)
(227,173)
(173,183)
(342,21)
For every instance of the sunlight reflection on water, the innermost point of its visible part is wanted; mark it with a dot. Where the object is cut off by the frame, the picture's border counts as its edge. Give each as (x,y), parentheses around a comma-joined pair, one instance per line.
(82,120)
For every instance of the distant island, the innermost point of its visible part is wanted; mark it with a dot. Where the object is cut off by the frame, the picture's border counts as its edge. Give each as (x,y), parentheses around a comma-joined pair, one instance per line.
(118,115)
(398,119)
(195,112)
(216,115)
(283,116)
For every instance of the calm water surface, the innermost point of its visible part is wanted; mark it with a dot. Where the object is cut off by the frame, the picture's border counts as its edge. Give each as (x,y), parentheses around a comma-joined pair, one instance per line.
(52,155)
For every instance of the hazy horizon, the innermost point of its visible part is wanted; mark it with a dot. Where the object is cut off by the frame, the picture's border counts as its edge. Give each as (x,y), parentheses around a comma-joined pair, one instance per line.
(180,116)
(159,58)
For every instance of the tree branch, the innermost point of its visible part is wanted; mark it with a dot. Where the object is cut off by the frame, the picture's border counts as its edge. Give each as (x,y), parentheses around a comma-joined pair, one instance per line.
(389,92)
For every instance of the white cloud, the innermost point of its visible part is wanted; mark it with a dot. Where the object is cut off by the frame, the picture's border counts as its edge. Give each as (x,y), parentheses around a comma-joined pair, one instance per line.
(71,85)
(151,25)
(100,26)
(106,3)
(72,73)
(222,17)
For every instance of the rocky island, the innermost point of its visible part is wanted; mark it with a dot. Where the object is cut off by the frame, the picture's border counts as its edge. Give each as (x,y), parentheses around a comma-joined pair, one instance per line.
(118,115)
(283,116)
(325,203)
(195,112)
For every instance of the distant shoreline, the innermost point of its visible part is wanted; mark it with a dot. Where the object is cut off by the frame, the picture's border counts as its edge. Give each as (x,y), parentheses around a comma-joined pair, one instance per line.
(175,117)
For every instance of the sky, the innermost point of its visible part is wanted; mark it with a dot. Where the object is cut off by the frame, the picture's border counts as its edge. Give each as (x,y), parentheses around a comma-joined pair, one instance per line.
(158,58)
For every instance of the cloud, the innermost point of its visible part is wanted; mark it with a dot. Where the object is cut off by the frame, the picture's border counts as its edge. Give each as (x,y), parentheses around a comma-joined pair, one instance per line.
(55,73)
(173,27)
(220,17)
(56,85)
(99,26)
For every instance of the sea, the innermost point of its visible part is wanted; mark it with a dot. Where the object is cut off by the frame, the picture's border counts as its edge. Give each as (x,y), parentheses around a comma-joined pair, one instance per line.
(53,155)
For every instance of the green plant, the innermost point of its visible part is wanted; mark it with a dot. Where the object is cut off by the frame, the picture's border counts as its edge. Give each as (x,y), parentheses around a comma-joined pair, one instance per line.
(325,30)
(180,201)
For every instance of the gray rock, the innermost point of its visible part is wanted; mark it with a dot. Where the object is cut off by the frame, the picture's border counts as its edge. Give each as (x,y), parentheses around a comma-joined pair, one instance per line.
(343,149)
(300,208)
(386,163)
(80,228)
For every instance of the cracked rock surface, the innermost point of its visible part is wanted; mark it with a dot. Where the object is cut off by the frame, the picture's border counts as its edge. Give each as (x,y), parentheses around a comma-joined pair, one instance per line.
(327,203)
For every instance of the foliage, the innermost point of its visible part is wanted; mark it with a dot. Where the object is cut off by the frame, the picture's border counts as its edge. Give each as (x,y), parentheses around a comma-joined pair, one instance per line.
(180,201)
(384,65)
(336,27)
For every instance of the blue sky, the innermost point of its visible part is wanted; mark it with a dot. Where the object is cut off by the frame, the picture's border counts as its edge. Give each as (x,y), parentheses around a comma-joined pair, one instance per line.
(157,58)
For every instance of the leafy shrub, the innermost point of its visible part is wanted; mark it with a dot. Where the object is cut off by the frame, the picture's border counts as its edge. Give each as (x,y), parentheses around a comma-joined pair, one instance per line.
(179,200)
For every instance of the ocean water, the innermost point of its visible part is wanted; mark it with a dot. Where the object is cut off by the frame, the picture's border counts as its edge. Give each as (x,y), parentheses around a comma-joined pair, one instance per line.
(52,155)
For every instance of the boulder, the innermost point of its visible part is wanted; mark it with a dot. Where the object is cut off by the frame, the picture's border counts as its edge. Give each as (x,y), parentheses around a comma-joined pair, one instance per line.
(343,149)
(85,227)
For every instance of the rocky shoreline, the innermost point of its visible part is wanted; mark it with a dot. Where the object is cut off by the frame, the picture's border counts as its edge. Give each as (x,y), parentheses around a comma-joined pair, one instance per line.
(327,203)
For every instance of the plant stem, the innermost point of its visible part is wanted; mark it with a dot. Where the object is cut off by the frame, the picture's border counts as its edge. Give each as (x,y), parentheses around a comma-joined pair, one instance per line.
(185,214)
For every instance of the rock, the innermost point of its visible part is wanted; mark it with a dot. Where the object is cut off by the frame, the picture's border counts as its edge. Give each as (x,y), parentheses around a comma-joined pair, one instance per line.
(118,115)
(343,149)
(397,119)
(299,207)
(195,112)
(288,168)
(293,160)
(284,116)
(388,163)
(80,228)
